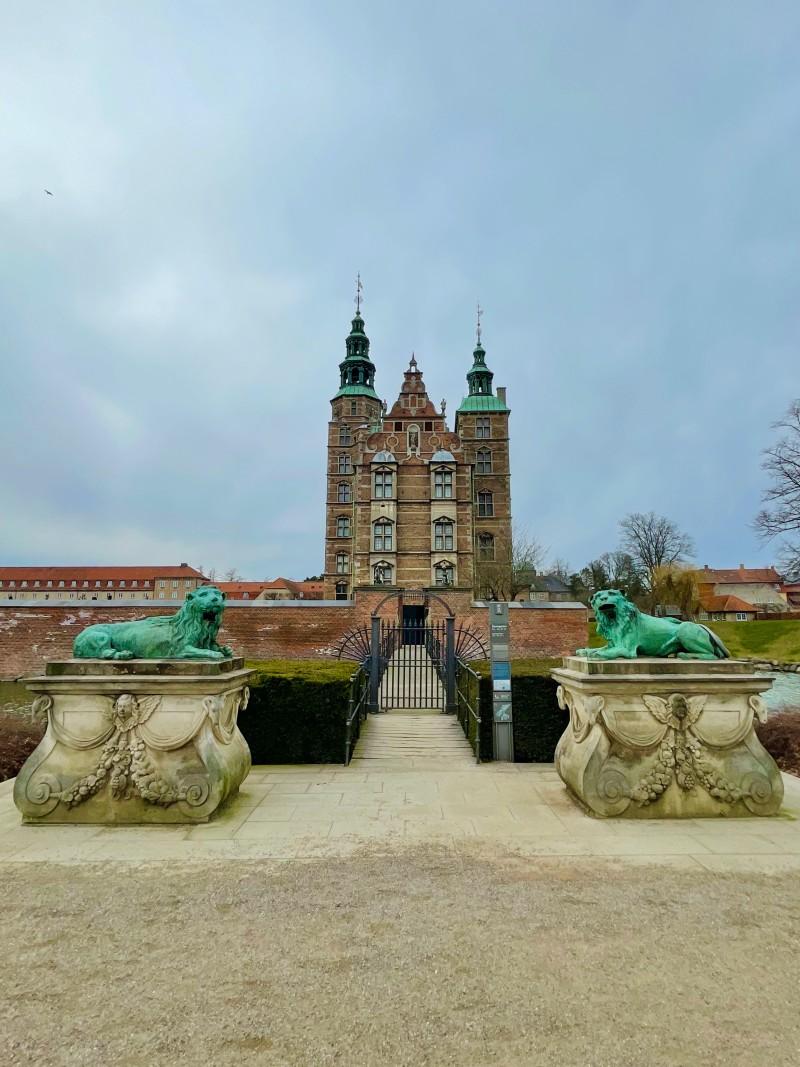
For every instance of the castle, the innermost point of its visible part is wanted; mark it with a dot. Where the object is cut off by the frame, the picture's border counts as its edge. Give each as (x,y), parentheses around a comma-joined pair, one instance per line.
(410,503)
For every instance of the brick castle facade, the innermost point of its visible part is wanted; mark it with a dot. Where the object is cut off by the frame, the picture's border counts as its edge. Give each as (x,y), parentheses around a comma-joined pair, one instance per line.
(410,503)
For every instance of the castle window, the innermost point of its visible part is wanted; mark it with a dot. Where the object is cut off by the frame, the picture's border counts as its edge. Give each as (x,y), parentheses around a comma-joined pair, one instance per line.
(443,573)
(345,437)
(344,465)
(483,427)
(383,485)
(343,493)
(484,461)
(343,526)
(341,590)
(353,411)
(382,536)
(413,440)
(443,535)
(428,425)
(342,563)
(485,504)
(382,573)
(398,426)
(443,484)
(485,547)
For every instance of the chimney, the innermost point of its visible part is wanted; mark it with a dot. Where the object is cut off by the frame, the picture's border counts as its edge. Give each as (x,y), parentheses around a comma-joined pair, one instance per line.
(705,567)
(501,393)
(741,566)
(184,564)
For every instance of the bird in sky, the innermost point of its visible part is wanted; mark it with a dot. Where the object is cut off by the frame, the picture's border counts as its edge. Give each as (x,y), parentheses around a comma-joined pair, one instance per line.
(48,192)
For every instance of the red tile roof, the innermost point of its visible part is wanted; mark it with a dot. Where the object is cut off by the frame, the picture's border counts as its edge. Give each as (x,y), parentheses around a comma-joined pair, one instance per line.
(27,574)
(726,603)
(766,575)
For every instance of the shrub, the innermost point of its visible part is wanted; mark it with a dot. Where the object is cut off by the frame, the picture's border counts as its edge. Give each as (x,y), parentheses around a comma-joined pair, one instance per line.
(297,711)
(780,736)
(538,720)
(18,738)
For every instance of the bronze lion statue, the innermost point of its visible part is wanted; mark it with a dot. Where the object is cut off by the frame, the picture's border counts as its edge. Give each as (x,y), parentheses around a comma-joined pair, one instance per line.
(631,633)
(189,634)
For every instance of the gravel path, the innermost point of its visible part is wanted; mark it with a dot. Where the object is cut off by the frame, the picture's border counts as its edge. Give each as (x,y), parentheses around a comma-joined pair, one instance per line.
(427,957)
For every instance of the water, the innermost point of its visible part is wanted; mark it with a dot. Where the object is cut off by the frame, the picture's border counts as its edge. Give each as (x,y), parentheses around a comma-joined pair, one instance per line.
(785,692)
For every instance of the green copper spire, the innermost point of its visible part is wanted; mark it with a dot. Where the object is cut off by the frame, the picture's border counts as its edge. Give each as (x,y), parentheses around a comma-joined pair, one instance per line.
(479,380)
(357,370)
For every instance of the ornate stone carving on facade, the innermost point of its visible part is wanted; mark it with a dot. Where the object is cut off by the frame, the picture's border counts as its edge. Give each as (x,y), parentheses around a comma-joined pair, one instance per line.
(689,749)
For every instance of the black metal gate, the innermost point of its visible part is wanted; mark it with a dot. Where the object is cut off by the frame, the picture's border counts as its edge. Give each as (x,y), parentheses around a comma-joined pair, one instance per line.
(414,669)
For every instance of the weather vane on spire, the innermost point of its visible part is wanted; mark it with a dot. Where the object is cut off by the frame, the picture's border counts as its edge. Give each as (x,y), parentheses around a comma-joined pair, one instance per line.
(359,291)
(478,328)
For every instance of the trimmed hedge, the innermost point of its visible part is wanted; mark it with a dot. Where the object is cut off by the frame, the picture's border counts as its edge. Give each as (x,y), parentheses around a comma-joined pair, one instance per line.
(297,711)
(538,720)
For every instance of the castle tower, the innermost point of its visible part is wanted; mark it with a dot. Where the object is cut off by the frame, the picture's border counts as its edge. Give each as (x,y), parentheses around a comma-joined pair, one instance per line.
(355,407)
(482,426)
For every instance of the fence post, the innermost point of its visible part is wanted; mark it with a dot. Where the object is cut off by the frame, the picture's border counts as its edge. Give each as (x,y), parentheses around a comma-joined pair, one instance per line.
(450,663)
(374,664)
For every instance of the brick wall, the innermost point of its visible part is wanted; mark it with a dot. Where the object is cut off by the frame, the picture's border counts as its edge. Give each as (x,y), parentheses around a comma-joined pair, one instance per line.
(31,634)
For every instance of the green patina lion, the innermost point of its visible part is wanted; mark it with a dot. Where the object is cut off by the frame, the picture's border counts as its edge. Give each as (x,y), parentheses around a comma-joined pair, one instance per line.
(631,633)
(189,634)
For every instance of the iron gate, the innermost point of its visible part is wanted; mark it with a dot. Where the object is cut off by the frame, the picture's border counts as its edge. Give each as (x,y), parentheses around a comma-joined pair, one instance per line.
(414,669)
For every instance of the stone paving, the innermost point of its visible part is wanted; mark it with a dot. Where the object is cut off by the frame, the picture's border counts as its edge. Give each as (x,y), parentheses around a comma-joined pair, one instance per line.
(288,812)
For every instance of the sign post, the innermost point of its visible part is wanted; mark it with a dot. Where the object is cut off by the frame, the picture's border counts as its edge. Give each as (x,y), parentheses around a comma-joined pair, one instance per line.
(502,716)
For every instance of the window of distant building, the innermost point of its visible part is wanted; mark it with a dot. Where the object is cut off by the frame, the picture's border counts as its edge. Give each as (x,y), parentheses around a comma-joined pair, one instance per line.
(428,426)
(353,411)
(483,427)
(443,535)
(122,583)
(741,616)
(443,484)
(443,574)
(343,493)
(485,504)
(382,536)
(484,458)
(61,585)
(345,437)
(384,480)
(343,526)
(341,590)
(343,465)
(485,547)
(342,563)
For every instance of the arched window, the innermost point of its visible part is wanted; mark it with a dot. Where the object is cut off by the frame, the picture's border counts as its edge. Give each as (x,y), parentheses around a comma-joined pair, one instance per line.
(443,573)
(344,465)
(382,536)
(342,563)
(345,437)
(485,503)
(343,494)
(384,484)
(443,535)
(341,590)
(484,458)
(343,526)
(382,573)
(443,484)
(485,547)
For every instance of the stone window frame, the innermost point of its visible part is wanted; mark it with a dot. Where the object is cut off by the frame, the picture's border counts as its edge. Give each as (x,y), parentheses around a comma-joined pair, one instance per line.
(484,461)
(485,504)
(383,535)
(345,435)
(444,573)
(386,474)
(344,493)
(413,449)
(341,591)
(486,547)
(388,570)
(343,528)
(444,539)
(342,563)
(483,428)
(353,407)
(343,465)
(443,480)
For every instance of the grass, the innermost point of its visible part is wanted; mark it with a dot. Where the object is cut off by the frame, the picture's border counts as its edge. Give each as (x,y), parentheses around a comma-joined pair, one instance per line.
(777,640)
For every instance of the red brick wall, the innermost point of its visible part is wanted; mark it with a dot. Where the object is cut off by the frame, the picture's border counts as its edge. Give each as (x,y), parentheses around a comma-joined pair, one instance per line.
(31,635)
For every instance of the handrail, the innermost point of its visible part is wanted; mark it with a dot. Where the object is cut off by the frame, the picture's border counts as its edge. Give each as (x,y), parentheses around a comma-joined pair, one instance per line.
(356,710)
(464,708)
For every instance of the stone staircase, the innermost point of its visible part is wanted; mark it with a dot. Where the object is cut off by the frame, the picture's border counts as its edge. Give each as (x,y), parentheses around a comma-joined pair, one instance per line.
(412,739)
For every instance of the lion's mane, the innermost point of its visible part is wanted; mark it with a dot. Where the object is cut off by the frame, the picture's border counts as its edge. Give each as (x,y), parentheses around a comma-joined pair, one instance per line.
(624,620)
(191,628)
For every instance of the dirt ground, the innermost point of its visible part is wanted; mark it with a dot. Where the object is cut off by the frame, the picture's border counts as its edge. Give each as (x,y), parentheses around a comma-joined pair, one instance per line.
(428,957)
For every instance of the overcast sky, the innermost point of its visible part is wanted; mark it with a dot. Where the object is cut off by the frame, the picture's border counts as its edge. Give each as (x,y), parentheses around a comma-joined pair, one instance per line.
(619,184)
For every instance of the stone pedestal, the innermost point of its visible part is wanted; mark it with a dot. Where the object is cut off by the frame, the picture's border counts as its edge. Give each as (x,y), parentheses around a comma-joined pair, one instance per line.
(665,738)
(135,741)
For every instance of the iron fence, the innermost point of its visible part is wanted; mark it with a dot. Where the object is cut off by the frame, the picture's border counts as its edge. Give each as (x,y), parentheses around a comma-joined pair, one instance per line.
(468,705)
(356,710)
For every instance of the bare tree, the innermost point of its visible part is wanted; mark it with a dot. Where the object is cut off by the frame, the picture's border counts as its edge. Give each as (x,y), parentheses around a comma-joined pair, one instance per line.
(782,514)
(513,567)
(654,541)
(561,569)
(232,575)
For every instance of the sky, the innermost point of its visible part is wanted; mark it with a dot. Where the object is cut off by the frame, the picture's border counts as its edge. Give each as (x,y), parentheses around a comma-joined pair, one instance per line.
(618,183)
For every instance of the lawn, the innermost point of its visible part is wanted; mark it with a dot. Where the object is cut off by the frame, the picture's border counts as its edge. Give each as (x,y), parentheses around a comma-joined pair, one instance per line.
(778,640)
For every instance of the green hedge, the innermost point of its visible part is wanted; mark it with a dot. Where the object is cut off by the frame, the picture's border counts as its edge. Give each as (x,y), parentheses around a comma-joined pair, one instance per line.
(538,720)
(297,711)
